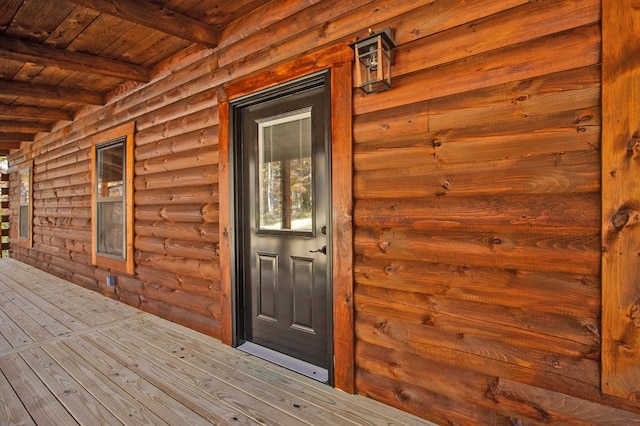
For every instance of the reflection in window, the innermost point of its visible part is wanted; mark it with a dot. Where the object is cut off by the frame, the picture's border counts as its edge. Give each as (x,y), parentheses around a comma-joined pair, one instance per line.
(25,203)
(110,199)
(285,172)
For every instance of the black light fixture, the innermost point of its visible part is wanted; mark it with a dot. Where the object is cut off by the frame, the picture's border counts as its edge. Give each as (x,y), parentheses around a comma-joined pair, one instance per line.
(373,61)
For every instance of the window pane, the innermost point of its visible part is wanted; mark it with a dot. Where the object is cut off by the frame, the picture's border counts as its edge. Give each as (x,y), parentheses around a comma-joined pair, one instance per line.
(110,198)
(285,173)
(24,222)
(110,228)
(110,171)
(25,185)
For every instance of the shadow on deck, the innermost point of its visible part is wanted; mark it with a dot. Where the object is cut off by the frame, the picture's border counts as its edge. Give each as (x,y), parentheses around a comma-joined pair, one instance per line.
(71,356)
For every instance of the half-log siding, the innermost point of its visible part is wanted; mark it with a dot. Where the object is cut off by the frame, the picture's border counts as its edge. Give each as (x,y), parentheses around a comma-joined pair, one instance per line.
(476,199)
(477,218)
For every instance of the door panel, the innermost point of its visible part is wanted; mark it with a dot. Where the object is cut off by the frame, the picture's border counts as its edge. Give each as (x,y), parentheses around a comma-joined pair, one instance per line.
(302,294)
(284,219)
(267,286)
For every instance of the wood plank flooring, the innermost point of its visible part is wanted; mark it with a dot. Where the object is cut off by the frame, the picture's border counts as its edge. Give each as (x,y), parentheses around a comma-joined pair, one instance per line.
(71,356)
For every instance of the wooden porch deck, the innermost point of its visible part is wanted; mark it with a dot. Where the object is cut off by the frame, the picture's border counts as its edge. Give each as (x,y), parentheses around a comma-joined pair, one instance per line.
(71,356)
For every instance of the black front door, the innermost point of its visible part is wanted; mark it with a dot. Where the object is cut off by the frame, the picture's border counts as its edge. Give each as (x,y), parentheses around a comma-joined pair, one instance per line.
(284,221)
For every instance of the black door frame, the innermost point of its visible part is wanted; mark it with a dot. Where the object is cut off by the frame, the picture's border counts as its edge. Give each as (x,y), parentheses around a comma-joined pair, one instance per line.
(338,58)
(238,235)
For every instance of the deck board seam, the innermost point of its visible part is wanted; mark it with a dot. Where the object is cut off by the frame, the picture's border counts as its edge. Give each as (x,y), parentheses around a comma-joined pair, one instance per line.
(71,334)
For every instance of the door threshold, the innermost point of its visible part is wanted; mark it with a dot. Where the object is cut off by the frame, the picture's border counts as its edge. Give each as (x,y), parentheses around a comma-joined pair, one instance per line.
(302,367)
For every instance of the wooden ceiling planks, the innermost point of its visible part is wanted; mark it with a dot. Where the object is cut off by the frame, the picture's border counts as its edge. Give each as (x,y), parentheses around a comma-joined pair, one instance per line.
(19,50)
(151,15)
(58,57)
(36,20)
(73,25)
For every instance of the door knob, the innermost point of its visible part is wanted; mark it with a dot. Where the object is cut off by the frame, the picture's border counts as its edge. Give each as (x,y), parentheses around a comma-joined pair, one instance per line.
(322,250)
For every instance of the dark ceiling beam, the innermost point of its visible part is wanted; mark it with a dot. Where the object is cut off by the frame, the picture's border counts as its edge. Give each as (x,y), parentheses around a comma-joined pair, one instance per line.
(5,146)
(23,127)
(148,14)
(41,91)
(22,51)
(16,137)
(19,111)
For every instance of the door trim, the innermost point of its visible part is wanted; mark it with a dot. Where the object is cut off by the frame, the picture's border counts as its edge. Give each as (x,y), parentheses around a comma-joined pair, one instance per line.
(288,98)
(339,60)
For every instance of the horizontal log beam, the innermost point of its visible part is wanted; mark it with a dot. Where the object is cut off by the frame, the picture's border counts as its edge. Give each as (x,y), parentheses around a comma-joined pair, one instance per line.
(22,51)
(7,111)
(5,146)
(16,137)
(23,127)
(41,91)
(151,15)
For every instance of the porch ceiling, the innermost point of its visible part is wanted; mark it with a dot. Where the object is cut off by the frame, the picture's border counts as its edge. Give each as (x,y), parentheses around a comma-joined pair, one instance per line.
(57,57)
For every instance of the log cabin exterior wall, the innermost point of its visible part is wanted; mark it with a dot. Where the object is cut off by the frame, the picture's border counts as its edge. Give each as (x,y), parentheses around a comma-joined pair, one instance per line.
(476,188)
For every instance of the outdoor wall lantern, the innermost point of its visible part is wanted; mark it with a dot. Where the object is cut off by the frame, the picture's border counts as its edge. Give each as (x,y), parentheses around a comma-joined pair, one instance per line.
(373,61)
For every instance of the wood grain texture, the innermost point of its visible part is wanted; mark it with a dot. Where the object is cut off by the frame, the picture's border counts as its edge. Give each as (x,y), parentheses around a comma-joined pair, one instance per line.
(227,300)
(471,201)
(92,360)
(342,227)
(620,200)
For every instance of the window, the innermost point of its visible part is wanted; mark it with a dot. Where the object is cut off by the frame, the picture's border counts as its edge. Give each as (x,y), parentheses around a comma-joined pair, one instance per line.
(285,178)
(25,205)
(112,199)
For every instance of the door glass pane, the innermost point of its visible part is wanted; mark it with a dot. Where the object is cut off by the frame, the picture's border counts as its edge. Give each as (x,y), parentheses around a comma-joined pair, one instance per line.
(285,172)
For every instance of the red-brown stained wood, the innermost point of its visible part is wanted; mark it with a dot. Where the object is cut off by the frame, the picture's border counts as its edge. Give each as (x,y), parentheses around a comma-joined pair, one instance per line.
(186,177)
(186,283)
(569,214)
(572,172)
(467,199)
(511,27)
(201,194)
(179,143)
(544,406)
(519,100)
(545,252)
(203,232)
(225,221)
(185,213)
(176,248)
(415,399)
(525,60)
(576,295)
(620,200)
(342,228)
